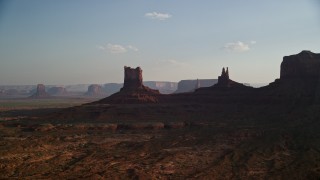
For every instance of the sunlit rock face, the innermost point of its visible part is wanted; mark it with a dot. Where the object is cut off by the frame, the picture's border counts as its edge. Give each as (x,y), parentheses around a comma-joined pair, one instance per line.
(41,92)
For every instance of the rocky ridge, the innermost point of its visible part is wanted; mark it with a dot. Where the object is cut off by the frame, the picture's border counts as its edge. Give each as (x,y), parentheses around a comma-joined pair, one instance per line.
(299,79)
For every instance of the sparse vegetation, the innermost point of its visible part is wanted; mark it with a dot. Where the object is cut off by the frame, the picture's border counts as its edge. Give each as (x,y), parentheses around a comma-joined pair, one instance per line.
(224,145)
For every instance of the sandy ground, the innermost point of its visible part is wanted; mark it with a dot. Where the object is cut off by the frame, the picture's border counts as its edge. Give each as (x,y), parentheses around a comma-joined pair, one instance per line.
(235,147)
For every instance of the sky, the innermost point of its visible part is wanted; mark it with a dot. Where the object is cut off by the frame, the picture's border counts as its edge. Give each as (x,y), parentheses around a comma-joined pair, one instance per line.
(83,42)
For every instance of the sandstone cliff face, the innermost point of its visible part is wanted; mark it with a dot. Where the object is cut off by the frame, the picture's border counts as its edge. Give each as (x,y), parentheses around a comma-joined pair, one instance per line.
(95,90)
(299,78)
(163,86)
(304,69)
(133,90)
(305,65)
(189,85)
(57,91)
(41,92)
(299,83)
(132,78)
(133,82)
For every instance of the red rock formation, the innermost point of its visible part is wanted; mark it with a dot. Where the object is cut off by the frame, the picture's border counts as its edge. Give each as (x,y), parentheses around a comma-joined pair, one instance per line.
(226,96)
(304,65)
(189,85)
(57,91)
(95,90)
(224,78)
(225,81)
(133,90)
(132,78)
(299,78)
(41,92)
(133,81)
(299,81)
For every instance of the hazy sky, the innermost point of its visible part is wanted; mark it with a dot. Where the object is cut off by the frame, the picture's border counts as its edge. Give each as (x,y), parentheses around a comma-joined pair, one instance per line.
(82,41)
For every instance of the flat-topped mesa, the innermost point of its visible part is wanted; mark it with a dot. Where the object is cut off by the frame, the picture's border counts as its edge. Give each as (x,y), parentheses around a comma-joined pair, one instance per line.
(299,78)
(132,78)
(95,90)
(41,92)
(305,65)
(57,91)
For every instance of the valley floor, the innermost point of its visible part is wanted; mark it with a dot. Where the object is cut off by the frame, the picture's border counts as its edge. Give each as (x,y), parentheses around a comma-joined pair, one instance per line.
(237,147)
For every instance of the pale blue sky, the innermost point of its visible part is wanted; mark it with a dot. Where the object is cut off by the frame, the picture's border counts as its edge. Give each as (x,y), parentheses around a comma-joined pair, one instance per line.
(81,41)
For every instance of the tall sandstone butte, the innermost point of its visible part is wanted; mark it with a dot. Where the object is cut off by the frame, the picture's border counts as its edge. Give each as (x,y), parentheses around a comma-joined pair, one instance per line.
(95,90)
(299,78)
(41,92)
(301,72)
(305,65)
(133,90)
(133,82)
(132,78)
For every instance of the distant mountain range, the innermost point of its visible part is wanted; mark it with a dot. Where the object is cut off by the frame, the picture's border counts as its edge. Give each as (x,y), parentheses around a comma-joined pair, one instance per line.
(109,88)
(164,87)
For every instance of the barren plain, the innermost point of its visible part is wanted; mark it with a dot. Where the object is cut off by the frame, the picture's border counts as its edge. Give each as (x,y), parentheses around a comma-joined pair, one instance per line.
(179,141)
